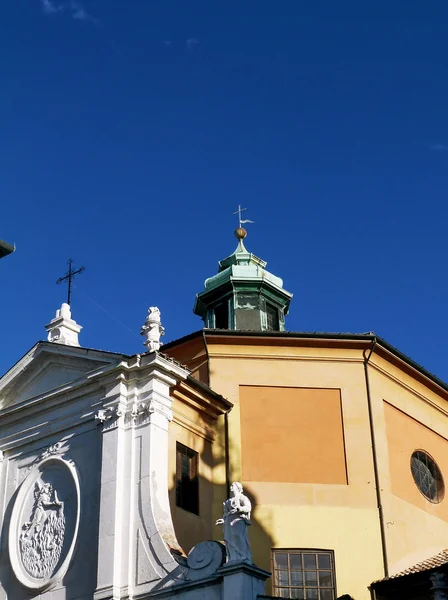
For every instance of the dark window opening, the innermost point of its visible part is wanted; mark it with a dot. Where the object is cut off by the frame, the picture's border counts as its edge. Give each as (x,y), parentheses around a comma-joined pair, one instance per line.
(427,476)
(187,480)
(222,316)
(272,320)
(304,574)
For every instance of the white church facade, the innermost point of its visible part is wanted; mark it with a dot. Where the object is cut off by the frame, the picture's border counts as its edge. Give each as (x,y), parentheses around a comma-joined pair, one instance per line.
(84,477)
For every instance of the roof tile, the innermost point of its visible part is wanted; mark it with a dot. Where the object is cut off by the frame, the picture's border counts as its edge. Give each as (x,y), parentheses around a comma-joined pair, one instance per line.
(430,563)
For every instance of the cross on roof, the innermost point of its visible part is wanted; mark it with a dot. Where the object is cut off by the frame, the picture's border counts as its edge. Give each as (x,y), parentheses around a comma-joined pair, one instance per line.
(69,276)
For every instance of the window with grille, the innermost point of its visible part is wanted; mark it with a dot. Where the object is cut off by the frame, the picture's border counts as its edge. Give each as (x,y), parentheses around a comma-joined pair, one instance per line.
(304,574)
(187,480)
(272,320)
(427,476)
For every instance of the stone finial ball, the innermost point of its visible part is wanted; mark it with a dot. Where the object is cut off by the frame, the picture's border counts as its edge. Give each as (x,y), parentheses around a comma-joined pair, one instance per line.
(240,233)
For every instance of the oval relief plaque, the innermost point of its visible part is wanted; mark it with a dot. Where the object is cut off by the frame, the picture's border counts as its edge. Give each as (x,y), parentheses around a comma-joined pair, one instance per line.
(44,524)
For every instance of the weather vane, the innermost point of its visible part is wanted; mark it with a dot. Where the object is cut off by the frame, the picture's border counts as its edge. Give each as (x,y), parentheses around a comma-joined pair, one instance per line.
(239,212)
(69,276)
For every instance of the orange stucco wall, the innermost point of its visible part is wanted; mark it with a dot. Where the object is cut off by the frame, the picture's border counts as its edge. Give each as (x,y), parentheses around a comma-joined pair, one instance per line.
(404,436)
(193,355)
(292,435)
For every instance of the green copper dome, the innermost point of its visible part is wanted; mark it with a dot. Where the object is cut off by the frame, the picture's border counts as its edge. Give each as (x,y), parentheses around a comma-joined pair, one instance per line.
(243,294)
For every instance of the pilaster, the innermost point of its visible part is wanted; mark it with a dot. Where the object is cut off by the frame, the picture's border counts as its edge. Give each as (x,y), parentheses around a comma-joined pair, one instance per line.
(136,531)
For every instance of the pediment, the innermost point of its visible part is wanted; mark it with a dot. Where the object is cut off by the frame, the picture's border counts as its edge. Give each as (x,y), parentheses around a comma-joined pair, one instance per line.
(48,366)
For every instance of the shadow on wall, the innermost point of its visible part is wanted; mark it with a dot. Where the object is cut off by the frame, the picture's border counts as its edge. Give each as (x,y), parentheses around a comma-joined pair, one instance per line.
(192,529)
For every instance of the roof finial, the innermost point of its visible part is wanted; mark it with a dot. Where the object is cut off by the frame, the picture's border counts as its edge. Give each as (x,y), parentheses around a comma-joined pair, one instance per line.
(152,329)
(63,329)
(69,277)
(240,232)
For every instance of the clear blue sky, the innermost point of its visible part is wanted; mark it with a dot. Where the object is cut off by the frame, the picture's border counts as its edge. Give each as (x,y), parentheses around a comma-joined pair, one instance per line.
(130,131)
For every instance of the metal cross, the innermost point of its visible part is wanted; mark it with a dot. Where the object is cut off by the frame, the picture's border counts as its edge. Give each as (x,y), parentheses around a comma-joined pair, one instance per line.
(69,276)
(239,213)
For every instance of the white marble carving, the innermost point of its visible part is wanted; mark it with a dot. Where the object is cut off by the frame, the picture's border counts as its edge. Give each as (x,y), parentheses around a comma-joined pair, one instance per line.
(103,415)
(109,415)
(43,536)
(57,448)
(44,523)
(152,330)
(140,409)
(235,521)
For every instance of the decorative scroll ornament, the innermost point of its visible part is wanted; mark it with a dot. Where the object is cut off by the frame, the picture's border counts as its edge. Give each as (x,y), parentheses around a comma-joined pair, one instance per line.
(44,523)
(108,416)
(57,448)
(140,409)
(204,559)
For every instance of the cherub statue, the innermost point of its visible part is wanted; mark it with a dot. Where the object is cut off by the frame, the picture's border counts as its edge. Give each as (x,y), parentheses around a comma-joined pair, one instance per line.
(235,521)
(152,329)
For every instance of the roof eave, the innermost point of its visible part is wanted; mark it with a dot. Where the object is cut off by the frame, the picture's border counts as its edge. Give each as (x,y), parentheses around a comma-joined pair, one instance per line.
(5,249)
(366,338)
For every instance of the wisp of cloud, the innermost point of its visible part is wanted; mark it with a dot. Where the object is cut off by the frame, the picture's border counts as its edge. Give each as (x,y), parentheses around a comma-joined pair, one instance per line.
(439,147)
(75,8)
(191,43)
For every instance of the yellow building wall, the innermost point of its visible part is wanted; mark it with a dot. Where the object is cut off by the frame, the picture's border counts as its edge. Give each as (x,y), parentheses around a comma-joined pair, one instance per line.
(188,429)
(292,509)
(304,514)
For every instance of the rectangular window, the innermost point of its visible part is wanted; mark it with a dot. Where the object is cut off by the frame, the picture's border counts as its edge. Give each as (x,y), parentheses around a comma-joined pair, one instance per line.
(187,480)
(272,320)
(304,574)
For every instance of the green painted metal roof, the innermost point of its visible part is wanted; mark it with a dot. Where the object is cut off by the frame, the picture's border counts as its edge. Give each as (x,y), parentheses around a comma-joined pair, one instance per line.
(5,249)
(243,266)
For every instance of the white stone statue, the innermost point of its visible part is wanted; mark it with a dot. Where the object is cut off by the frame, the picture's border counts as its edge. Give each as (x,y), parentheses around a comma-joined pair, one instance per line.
(152,330)
(235,521)
(43,536)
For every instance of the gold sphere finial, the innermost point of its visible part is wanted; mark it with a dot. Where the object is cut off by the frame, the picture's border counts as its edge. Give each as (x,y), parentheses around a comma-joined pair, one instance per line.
(240,233)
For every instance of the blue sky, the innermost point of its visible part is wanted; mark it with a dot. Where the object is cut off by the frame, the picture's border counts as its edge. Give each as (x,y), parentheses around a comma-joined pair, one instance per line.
(130,132)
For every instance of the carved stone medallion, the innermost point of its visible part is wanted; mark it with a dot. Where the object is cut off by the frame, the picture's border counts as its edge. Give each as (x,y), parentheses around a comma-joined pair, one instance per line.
(44,523)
